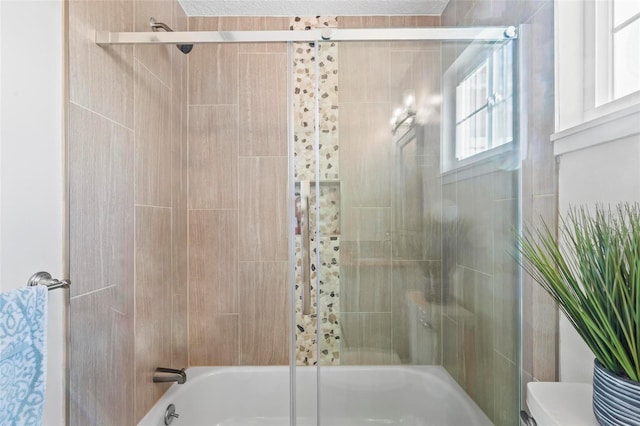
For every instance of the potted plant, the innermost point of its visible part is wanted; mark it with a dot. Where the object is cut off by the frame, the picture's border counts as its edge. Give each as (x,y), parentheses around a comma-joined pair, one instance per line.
(592,271)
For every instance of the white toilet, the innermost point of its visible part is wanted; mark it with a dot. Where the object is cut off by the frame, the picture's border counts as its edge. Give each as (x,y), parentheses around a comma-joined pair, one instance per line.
(560,404)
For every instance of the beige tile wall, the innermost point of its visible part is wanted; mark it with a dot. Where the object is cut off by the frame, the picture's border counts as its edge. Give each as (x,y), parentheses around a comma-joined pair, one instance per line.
(213,69)
(262,83)
(245,174)
(262,235)
(179,213)
(263,313)
(238,254)
(153,302)
(128,211)
(213,141)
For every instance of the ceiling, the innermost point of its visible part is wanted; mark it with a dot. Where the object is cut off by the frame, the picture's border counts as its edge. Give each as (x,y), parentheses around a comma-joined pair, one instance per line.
(312,7)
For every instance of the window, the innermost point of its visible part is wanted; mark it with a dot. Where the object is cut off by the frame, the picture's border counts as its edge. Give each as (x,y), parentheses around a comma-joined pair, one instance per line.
(625,37)
(597,80)
(484,105)
(611,31)
(617,56)
(478,104)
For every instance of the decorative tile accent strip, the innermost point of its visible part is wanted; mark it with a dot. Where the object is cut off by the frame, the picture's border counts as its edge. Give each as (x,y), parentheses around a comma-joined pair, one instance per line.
(330,332)
(329,311)
(304,103)
(304,63)
(309,22)
(329,208)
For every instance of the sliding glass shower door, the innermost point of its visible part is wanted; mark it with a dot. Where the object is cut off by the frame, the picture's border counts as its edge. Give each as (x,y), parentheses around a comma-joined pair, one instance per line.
(319,193)
(406,177)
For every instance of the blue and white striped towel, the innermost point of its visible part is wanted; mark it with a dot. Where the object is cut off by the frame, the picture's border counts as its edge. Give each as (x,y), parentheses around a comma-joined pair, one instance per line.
(23,355)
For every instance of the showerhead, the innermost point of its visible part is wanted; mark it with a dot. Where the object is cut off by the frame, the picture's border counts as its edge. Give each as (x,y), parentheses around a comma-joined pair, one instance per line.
(184,48)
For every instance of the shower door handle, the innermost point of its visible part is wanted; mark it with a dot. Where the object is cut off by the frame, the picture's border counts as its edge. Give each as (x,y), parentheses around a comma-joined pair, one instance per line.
(306,247)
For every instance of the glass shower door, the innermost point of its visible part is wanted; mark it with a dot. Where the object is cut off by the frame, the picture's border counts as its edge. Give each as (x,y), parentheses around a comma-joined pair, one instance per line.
(412,181)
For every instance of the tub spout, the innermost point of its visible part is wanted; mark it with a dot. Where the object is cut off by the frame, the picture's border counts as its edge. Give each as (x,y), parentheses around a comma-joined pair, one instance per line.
(164,375)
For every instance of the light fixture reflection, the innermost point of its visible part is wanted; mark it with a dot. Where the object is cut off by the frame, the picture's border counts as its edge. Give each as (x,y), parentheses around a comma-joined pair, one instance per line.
(404,116)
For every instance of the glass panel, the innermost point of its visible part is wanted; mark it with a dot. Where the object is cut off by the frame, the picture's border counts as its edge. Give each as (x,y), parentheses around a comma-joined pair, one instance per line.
(626,60)
(480,138)
(463,136)
(481,86)
(502,123)
(502,114)
(472,93)
(415,283)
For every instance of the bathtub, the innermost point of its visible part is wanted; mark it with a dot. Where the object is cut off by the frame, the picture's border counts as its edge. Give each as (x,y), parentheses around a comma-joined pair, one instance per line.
(349,396)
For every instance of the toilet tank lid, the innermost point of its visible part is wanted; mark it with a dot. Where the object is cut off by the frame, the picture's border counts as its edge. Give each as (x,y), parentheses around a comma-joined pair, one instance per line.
(561,403)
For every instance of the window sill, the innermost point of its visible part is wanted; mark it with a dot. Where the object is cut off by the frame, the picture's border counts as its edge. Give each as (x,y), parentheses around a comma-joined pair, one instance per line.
(616,125)
(504,157)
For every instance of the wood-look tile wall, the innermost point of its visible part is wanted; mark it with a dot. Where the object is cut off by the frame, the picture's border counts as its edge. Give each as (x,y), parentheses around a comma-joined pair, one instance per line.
(128,211)
(375,275)
(488,206)
(179,175)
(238,253)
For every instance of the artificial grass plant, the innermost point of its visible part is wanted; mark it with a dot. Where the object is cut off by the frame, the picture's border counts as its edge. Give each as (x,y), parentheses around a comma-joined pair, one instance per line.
(592,271)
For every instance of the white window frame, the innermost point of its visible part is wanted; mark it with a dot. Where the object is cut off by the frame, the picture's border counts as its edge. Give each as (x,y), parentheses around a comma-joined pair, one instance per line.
(465,65)
(584,60)
(579,122)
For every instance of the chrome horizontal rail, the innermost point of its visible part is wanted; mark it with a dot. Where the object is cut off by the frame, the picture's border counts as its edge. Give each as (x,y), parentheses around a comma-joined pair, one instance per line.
(44,278)
(105,38)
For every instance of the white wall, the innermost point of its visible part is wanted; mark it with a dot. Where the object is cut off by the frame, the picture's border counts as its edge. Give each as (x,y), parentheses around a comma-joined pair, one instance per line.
(605,173)
(598,151)
(31,173)
(598,163)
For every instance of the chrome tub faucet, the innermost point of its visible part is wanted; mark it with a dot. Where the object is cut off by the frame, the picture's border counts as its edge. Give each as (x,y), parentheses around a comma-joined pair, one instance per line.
(164,375)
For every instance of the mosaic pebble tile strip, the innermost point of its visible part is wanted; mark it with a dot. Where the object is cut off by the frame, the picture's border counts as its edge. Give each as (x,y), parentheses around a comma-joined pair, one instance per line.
(329,311)
(304,65)
(329,208)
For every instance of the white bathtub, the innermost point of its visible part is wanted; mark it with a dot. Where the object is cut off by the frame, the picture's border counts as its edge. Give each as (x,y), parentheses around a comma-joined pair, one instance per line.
(349,396)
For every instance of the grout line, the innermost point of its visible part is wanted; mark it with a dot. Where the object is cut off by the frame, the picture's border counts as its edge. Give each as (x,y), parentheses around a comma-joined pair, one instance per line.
(92,292)
(237,245)
(230,209)
(503,356)
(135,225)
(151,206)
(118,312)
(265,53)
(551,194)
(102,115)
(373,207)
(213,105)
(500,354)
(186,96)
(486,274)
(262,156)
(152,73)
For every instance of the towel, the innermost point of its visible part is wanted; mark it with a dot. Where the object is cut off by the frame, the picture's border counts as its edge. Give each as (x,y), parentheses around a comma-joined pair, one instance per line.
(23,355)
